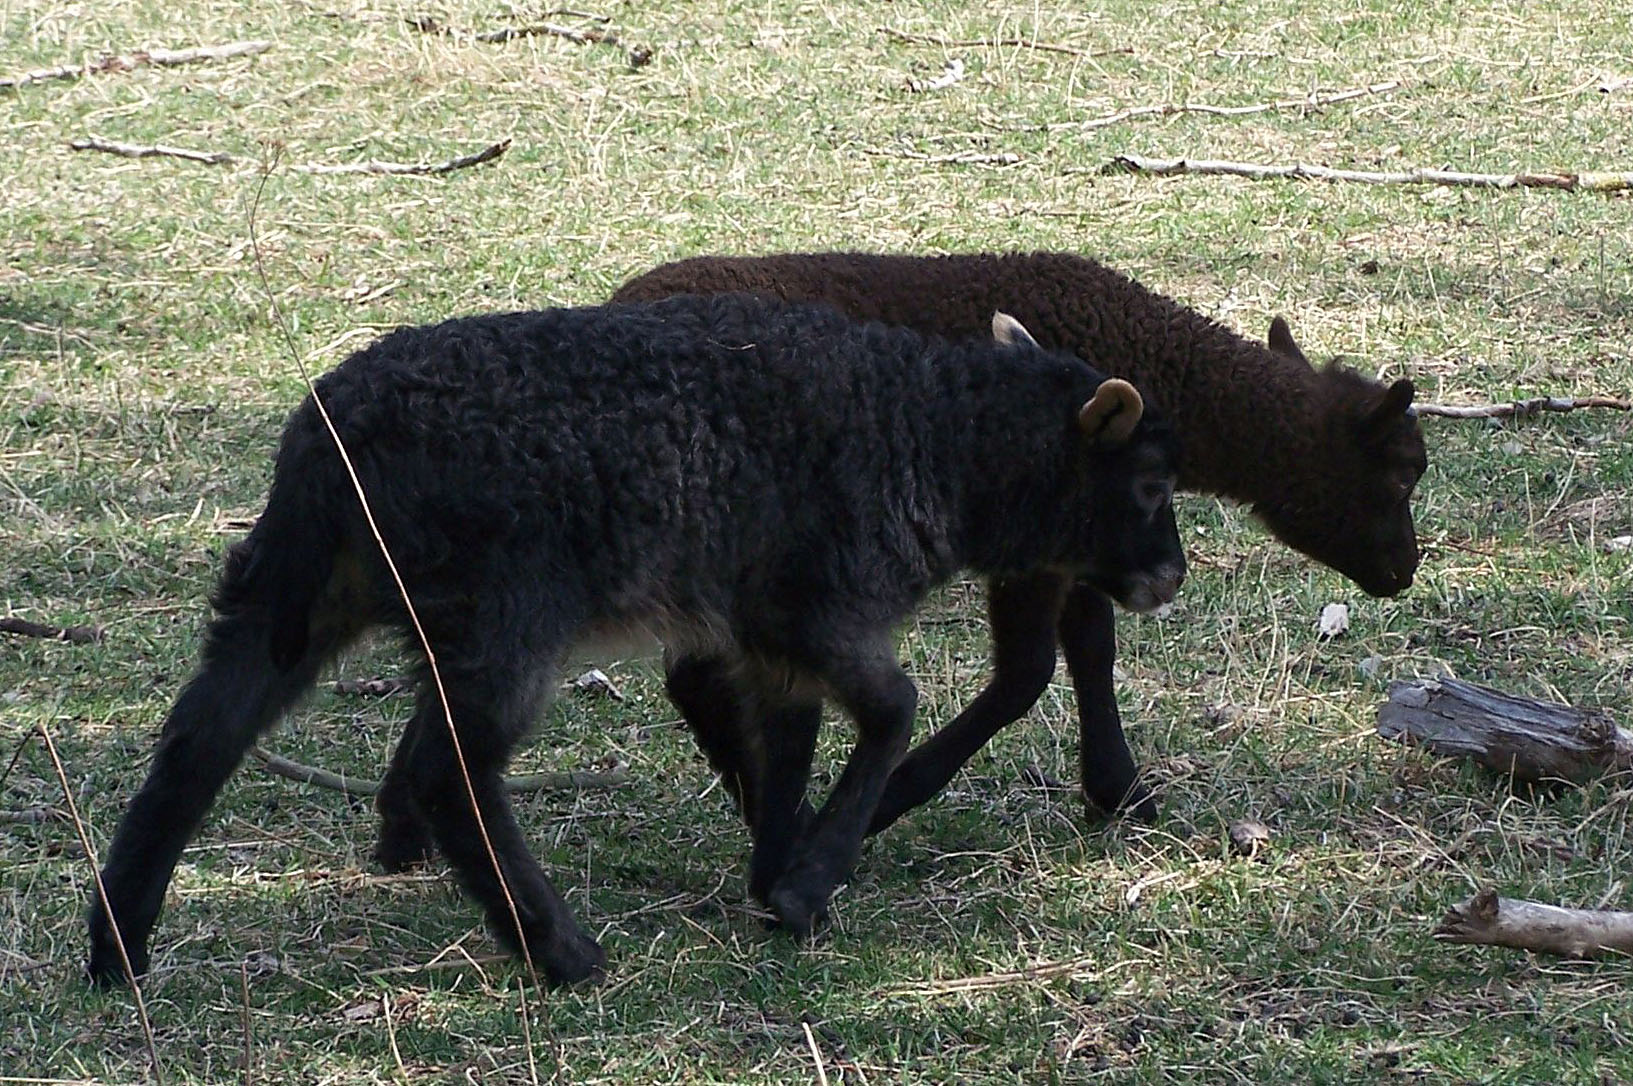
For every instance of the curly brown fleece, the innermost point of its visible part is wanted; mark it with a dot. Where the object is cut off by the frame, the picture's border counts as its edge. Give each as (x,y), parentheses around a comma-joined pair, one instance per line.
(1327,458)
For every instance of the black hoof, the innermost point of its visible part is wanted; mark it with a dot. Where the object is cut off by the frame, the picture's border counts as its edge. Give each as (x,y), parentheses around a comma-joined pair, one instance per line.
(1135,801)
(800,912)
(399,852)
(106,969)
(576,961)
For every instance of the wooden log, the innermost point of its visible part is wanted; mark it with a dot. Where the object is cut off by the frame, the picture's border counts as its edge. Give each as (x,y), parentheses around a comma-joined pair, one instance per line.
(1490,920)
(1512,734)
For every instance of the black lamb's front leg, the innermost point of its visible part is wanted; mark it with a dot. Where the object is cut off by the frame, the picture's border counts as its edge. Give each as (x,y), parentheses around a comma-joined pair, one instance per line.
(1022,614)
(1088,637)
(881,699)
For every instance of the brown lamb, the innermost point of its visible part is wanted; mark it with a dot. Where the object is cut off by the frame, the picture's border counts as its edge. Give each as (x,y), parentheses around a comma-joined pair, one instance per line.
(1327,458)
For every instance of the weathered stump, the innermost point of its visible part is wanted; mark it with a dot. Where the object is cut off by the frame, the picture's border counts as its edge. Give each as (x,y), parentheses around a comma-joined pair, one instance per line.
(1512,734)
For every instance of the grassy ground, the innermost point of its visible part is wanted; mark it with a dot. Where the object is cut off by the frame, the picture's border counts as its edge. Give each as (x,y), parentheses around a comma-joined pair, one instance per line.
(144,383)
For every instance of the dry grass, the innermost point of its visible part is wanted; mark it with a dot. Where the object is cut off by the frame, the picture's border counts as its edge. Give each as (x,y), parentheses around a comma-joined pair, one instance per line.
(995,935)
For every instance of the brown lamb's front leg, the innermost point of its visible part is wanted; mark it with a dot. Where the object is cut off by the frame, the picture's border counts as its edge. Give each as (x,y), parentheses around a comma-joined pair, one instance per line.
(1088,636)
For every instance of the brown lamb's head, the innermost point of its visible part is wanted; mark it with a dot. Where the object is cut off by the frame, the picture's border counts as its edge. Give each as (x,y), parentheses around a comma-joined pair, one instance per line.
(1346,498)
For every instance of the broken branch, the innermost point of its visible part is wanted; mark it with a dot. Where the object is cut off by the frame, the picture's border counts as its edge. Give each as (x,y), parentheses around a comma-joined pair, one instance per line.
(1586,181)
(156,150)
(1521,408)
(79,635)
(1506,732)
(1490,920)
(373,688)
(131,61)
(1169,109)
(987,43)
(415,169)
(957,158)
(362,786)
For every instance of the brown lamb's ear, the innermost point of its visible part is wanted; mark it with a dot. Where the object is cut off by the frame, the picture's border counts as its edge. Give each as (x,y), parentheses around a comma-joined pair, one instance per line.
(1396,402)
(1281,341)
(1111,416)
(1009,331)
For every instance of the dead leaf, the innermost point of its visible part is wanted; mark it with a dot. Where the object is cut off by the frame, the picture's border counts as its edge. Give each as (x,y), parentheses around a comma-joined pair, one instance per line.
(595,681)
(364,1011)
(1334,620)
(1249,836)
(951,73)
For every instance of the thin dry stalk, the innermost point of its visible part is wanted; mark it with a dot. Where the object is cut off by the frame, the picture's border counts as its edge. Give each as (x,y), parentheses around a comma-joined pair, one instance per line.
(102,899)
(249,1045)
(373,688)
(1586,181)
(987,981)
(957,158)
(148,150)
(410,169)
(987,43)
(816,1054)
(1169,109)
(131,61)
(1521,408)
(391,1036)
(413,616)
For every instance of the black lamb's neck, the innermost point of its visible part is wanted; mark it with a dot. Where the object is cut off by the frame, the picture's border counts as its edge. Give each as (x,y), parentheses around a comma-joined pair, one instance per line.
(1011,432)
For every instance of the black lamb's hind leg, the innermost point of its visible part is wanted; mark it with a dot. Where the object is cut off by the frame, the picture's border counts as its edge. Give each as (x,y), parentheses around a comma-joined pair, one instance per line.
(491,712)
(1088,637)
(1022,614)
(708,689)
(405,839)
(881,699)
(786,727)
(235,696)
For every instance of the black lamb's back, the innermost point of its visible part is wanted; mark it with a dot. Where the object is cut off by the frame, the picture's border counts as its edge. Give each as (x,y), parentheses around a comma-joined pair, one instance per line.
(680,446)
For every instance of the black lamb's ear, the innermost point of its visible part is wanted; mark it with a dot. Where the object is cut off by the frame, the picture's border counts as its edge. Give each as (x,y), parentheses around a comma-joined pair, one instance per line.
(1396,402)
(1281,341)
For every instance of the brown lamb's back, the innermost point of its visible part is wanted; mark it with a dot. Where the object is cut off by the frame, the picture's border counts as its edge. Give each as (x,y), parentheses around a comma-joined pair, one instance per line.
(1327,458)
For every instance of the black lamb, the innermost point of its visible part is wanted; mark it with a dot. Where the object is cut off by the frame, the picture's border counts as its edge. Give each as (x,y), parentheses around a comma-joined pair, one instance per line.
(1326,458)
(769,484)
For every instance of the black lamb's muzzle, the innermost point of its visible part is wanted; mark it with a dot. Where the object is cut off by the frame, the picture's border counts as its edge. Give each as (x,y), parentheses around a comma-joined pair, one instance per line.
(1145,590)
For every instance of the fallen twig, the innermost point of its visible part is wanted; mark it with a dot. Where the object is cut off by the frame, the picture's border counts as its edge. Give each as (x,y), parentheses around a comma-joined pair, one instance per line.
(1521,408)
(130,61)
(550,30)
(638,54)
(582,780)
(28,816)
(1586,181)
(957,158)
(156,150)
(79,635)
(1490,920)
(373,688)
(1168,109)
(986,981)
(987,43)
(951,73)
(416,169)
